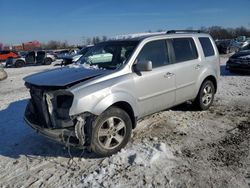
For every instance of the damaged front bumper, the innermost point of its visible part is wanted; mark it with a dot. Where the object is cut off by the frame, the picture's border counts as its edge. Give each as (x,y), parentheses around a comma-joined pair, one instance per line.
(63,136)
(48,113)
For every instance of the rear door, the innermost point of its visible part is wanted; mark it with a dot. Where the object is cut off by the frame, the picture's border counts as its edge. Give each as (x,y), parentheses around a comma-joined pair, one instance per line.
(40,57)
(155,90)
(187,67)
(211,59)
(30,57)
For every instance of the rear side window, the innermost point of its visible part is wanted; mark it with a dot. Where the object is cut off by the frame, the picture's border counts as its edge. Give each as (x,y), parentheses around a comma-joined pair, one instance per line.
(206,46)
(184,49)
(156,52)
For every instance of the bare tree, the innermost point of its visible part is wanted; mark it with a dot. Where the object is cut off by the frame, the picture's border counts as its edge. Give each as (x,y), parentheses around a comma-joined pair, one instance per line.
(104,38)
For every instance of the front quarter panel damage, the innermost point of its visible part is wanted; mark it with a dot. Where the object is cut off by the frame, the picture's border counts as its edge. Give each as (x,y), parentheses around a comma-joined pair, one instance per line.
(98,97)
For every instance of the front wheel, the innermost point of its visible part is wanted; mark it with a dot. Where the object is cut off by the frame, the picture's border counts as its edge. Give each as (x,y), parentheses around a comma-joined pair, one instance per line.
(19,63)
(205,96)
(110,132)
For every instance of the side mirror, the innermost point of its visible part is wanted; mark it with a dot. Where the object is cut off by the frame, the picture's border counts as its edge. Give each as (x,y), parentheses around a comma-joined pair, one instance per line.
(144,65)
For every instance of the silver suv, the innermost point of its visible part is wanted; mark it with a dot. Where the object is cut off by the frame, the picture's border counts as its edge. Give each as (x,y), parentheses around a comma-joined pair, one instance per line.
(97,102)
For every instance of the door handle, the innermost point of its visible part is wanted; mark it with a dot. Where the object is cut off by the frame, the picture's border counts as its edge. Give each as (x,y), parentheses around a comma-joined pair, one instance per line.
(168,75)
(197,67)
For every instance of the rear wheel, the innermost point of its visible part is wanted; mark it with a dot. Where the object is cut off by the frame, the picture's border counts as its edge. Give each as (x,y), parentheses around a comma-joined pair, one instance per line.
(19,64)
(110,132)
(47,61)
(205,96)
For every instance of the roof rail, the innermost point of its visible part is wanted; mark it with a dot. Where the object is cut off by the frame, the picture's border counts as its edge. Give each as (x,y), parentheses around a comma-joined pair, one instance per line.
(183,31)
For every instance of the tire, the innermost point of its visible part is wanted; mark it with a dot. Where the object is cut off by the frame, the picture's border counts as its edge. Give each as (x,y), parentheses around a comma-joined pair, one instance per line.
(105,138)
(203,101)
(19,63)
(47,61)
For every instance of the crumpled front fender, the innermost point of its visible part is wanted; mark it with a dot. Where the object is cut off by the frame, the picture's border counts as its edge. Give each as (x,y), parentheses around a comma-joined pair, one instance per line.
(98,102)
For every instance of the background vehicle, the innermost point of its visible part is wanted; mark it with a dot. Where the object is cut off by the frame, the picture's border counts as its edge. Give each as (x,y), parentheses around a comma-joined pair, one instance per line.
(245,46)
(60,53)
(31,57)
(227,46)
(75,57)
(239,61)
(96,103)
(4,55)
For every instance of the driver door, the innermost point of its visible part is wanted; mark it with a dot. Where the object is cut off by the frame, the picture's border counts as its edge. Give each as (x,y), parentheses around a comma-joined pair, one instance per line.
(155,90)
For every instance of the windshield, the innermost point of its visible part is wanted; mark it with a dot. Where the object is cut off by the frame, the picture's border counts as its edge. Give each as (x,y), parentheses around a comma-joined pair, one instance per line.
(109,55)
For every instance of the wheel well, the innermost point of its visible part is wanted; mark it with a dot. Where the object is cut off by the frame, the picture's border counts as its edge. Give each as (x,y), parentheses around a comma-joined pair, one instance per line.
(19,60)
(212,79)
(48,58)
(126,106)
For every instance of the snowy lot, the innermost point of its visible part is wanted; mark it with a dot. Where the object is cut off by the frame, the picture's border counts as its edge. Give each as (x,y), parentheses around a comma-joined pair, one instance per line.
(173,148)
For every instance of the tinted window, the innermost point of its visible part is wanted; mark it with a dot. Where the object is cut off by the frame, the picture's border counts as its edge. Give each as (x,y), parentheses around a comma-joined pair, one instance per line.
(184,49)
(156,52)
(207,46)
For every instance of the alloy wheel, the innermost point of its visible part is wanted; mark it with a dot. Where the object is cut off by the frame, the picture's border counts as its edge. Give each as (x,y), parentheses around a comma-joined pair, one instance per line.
(207,95)
(111,133)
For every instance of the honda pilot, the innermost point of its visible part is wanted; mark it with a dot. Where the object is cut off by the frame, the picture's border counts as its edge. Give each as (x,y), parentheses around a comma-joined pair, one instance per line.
(96,103)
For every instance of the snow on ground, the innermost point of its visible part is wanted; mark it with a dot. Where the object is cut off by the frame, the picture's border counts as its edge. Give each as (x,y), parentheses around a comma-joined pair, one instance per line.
(179,147)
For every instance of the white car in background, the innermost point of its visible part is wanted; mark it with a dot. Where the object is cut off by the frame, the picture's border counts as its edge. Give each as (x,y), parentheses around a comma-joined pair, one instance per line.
(31,58)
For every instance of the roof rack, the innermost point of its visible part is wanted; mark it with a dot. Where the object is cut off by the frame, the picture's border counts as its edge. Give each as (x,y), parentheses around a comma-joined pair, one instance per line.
(183,31)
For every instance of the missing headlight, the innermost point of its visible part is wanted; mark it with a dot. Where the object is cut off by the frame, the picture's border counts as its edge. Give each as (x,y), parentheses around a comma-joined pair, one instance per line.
(58,104)
(64,101)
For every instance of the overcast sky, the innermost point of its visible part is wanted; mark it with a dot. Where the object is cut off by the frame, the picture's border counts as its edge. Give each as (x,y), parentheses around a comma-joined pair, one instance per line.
(45,20)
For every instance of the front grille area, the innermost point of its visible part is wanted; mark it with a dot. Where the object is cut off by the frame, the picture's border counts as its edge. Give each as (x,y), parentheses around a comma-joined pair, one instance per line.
(40,109)
(49,108)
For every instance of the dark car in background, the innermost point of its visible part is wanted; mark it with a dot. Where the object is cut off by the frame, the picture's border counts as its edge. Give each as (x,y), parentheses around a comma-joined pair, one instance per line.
(227,46)
(67,60)
(239,61)
(245,45)
(60,53)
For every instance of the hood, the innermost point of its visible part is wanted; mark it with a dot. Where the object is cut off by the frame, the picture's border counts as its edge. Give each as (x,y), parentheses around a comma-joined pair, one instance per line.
(66,76)
(241,54)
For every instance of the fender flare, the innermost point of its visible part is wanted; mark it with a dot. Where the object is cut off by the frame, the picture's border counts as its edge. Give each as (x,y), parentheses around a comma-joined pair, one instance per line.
(113,98)
(207,73)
